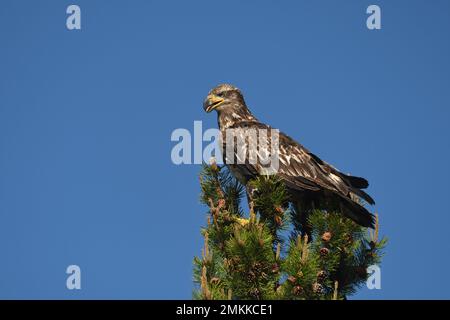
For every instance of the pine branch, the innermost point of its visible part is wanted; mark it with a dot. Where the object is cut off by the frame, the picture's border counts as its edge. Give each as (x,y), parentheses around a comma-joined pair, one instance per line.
(247,258)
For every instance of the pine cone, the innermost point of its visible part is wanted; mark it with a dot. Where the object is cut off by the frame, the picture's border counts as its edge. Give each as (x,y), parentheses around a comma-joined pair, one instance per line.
(257,266)
(326,236)
(292,279)
(321,276)
(278,220)
(255,293)
(213,163)
(317,288)
(275,268)
(279,209)
(348,238)
(251,276)
(297,290)
(221,204)
(324,252)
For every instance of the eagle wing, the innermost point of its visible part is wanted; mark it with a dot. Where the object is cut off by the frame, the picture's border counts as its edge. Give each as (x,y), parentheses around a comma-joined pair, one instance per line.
(297,166)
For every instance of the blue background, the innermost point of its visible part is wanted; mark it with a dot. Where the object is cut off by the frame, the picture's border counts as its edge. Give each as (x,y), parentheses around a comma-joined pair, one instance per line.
(86,116)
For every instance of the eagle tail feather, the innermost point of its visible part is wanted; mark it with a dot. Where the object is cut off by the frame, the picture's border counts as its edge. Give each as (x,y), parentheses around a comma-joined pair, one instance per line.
(356,182)
(359,214)
(363,195)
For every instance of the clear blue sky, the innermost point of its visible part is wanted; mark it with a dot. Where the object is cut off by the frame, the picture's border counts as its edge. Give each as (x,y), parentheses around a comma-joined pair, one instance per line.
(86,116)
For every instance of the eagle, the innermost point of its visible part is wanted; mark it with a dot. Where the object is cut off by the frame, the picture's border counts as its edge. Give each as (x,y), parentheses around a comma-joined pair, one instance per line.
(311,182)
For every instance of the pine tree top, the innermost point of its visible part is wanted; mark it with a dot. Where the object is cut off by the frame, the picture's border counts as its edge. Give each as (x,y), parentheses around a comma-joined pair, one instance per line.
(263,255)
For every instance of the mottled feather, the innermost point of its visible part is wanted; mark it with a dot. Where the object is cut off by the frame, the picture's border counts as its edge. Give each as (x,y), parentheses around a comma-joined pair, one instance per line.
(303,172)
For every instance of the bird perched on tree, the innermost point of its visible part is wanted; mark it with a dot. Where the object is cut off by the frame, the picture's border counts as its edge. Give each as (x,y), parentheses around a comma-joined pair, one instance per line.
(310,181)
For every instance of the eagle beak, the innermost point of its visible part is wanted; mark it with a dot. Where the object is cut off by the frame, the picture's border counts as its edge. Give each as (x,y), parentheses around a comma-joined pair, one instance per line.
(212,102)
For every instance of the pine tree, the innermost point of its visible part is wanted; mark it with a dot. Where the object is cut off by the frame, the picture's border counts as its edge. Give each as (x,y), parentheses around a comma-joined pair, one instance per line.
(265,256)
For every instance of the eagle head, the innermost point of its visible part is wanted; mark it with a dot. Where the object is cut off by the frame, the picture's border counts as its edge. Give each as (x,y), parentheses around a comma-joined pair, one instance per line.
(224,97)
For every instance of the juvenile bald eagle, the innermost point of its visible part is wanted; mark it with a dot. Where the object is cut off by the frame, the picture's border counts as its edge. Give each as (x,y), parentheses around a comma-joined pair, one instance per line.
(308,179)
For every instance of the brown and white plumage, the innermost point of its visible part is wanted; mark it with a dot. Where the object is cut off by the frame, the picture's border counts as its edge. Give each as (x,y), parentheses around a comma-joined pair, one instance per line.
(305,175)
